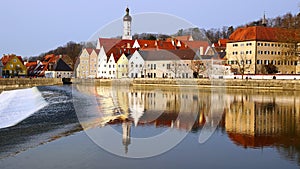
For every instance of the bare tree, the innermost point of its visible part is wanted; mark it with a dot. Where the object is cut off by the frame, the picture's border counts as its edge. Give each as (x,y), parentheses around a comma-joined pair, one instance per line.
(243,64)
(199,67)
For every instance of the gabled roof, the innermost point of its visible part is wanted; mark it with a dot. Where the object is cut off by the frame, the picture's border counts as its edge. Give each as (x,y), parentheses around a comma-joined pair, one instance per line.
(97,51)
(260,33)
(7,58)
(89,50)
(108,43)
(62,66)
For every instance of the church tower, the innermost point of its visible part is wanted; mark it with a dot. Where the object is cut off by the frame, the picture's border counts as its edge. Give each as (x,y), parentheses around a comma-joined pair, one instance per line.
(264,20)
(127,26)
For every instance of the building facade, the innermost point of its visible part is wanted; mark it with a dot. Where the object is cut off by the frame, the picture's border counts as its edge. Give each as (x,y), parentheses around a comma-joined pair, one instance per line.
(13,66)
(83,67)
(257,49)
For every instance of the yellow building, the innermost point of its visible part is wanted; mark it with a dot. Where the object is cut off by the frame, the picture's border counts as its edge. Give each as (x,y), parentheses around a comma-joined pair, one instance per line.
(122,67)
(13,66)
(251,50)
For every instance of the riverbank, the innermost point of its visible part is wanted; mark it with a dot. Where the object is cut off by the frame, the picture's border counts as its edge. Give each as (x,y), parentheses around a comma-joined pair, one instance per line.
(293,85)
(15,83)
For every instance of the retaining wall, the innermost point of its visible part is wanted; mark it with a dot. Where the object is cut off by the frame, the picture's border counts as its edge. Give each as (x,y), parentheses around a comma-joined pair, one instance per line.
(202,83)
(13,83)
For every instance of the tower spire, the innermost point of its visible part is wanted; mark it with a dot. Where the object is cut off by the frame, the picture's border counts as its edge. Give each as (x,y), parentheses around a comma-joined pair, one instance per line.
(264,20)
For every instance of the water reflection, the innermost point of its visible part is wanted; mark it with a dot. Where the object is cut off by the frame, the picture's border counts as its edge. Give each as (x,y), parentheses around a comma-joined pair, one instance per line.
(269,120)
(250,119)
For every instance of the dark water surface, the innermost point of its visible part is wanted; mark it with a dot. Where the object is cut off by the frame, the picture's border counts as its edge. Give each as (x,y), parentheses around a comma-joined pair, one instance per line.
(252,129)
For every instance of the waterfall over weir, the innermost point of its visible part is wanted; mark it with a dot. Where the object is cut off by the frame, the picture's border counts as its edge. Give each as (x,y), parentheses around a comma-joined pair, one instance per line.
(17,105)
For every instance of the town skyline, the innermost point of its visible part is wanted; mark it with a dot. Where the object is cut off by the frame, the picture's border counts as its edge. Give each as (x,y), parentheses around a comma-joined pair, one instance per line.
(34,30)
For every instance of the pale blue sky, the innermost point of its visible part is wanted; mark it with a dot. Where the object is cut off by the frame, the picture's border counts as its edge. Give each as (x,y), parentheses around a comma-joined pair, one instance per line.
(30,27)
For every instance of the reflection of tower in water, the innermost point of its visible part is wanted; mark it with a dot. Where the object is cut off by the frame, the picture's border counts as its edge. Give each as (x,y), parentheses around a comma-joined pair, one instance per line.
(126,135)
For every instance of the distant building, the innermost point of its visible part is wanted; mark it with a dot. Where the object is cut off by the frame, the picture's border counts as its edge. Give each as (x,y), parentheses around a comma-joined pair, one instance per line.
(255,48)
(13,66)
(60,70)
(51,66)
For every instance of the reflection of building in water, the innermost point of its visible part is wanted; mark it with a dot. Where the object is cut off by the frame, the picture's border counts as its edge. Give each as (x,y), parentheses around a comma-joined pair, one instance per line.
(126,134)
(257,122)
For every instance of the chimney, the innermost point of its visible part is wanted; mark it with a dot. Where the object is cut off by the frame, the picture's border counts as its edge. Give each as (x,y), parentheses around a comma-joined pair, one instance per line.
(201,50)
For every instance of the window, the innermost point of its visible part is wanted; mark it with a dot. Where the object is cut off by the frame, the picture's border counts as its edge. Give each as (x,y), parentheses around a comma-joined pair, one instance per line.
(168,66)
(258,62)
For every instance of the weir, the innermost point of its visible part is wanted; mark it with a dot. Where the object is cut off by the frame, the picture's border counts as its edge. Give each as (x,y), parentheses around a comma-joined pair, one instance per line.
(17,105)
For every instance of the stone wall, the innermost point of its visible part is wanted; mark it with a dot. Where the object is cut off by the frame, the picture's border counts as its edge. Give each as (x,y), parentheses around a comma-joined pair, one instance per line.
(13,83)
(201,83)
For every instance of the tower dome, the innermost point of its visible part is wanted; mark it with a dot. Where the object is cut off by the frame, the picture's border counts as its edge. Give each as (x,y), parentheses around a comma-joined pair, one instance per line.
(127,17)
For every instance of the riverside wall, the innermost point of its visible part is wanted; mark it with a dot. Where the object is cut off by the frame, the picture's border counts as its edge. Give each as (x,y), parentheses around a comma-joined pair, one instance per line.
(14,83)
(293,85)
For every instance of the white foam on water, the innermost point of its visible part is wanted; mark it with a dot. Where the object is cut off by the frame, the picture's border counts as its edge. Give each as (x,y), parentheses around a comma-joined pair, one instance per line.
(17,105)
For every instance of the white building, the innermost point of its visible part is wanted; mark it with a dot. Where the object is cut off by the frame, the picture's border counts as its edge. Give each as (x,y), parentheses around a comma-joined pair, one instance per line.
(161,64)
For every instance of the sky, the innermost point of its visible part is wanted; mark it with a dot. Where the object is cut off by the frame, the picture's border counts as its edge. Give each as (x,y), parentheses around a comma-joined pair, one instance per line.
(31,27)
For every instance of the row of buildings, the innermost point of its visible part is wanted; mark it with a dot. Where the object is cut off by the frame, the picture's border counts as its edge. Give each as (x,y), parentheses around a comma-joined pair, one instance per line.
(51,66)
(176,57)
(249,50)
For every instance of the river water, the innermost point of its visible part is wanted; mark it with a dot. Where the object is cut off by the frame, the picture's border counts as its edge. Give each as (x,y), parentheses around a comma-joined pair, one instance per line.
(88,126)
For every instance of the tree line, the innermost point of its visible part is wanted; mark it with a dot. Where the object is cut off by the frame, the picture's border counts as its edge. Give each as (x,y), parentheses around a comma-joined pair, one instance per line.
(288,21)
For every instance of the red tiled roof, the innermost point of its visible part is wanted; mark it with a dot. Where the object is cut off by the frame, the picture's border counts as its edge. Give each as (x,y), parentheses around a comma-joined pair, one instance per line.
(183,38)
(260,33)
(31,64)
(89,50)
(7,58)
(97,51)
(108,43)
